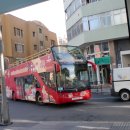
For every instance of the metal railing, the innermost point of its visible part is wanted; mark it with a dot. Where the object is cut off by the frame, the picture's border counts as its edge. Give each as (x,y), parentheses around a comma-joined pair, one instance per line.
(99,86)
(31,57)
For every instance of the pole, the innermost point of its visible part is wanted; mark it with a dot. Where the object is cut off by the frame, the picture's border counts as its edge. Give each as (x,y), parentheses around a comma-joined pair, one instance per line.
(5,119)
(127,6)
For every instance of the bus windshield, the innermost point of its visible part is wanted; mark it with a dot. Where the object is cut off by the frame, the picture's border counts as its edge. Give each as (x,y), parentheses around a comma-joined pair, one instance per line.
(68,54)
(73,77)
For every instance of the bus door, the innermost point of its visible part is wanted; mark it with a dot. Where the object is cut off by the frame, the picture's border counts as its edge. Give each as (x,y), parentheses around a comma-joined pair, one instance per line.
(48,79)
(29,88)
(20,87)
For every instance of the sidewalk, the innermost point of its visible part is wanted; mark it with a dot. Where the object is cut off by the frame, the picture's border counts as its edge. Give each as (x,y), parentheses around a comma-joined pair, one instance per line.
(68,125)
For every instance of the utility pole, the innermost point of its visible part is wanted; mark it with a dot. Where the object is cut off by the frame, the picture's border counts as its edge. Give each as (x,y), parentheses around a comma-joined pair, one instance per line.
(5,119)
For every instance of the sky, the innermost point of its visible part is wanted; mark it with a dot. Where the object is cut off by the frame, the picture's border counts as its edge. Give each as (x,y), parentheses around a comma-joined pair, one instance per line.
(50,13)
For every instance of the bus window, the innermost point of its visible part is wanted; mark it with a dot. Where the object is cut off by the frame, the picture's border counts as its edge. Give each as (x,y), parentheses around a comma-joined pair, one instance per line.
(36,83)
(19,81)
(73,76)
(20,86)
(29,79)
(49,79)
(45,77)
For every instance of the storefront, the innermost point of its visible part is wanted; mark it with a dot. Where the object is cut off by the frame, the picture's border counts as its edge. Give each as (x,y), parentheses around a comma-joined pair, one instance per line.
(92,73)
(103,69)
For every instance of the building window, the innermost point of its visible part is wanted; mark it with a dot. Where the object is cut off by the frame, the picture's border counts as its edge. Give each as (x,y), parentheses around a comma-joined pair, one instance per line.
(35,47)
(97,22)
(117,17)
(91,1)
(46,37)
(104,46)
(33,34)
(40,30)
(75,30)
(1,28)
(18,32)
(14,31)
(94,22)
(106,19)
(85,24)
(84,2)
(123,16)
(41,43)
(19,47)
(75,5)
(21,33)
(88,50)
(52,42)
(91,49)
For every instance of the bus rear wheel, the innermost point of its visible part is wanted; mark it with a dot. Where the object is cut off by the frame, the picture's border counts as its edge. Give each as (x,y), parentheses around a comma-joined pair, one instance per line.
(125,95)
(39,99)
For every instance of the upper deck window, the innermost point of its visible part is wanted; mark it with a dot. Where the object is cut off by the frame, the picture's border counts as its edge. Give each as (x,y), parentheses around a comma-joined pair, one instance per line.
(68,54)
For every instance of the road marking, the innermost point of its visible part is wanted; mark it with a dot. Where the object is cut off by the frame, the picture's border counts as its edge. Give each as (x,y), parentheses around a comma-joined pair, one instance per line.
(93,128)
(128,106)
(25,121)
(8,129)
(93,107)
(104,98)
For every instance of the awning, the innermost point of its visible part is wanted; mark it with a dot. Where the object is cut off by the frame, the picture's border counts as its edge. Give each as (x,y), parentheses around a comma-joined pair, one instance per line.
(10,5)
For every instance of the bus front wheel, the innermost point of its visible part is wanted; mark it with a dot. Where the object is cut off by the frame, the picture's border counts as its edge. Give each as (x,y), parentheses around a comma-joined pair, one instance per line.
(125,95)
(39,99)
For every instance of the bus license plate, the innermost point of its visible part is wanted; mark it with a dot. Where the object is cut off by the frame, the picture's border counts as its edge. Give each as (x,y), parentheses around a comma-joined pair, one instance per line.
(77,98)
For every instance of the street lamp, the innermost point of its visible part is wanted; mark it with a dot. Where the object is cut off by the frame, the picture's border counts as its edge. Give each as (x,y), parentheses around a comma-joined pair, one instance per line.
(5,119)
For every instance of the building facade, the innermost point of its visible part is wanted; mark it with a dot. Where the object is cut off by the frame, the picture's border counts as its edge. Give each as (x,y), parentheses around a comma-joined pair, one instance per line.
(62,41)
(99,28)
(23,38)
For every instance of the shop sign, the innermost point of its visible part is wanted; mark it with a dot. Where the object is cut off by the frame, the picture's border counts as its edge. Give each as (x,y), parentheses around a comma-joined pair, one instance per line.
(103,60)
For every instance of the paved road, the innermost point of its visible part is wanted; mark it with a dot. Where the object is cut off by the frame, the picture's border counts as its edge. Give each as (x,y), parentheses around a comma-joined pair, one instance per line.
(102,112)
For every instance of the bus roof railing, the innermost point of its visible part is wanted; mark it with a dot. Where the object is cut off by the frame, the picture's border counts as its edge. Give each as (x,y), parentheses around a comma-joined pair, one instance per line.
(31,57)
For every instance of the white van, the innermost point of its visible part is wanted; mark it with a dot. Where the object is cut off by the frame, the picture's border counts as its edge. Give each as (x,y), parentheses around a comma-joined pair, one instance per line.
(121,83)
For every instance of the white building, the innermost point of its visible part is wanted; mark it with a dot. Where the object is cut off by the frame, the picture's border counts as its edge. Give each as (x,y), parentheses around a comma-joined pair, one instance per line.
(99,28)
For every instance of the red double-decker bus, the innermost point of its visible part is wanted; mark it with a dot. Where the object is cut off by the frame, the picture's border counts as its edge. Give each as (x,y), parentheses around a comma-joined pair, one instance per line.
(56,75)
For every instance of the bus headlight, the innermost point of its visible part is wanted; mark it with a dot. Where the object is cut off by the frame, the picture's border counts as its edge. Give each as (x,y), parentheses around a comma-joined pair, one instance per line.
(70,95)
(83,93)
